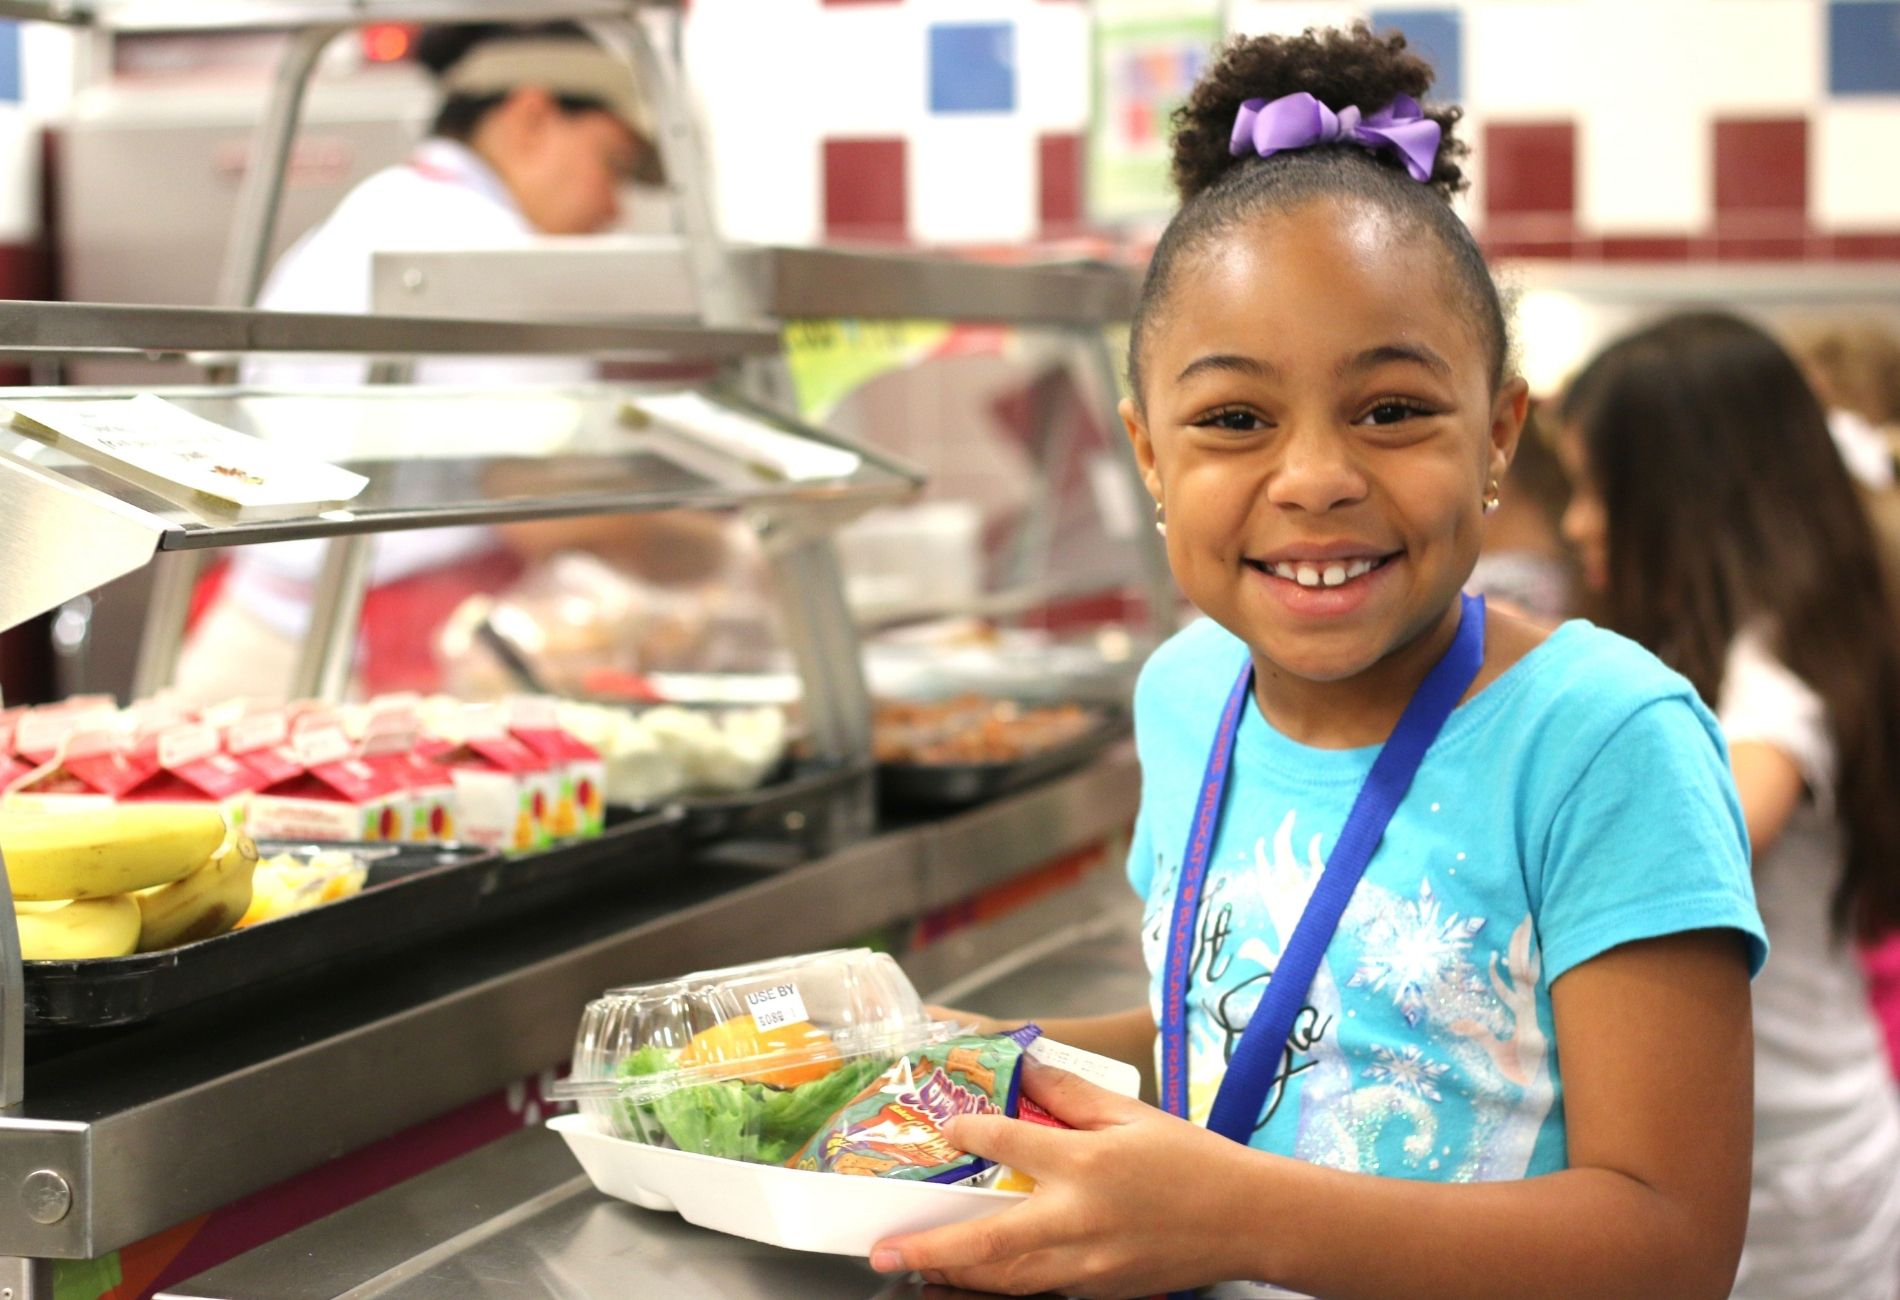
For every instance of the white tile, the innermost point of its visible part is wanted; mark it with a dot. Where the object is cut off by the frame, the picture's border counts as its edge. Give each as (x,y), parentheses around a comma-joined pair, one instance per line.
(19,175)
(973,181)
(1522,57)
(49,61)
(1851,182)
(1053,56)
(1645,147)
(1275,18)
(1761,55)
(867,69)
(761,139)
(1642,168)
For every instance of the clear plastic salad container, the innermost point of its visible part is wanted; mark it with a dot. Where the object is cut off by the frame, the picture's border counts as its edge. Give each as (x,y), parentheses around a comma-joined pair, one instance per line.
(746,1063)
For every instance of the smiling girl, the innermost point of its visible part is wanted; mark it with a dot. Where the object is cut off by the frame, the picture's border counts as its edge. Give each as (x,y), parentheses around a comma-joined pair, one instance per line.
(1450,920)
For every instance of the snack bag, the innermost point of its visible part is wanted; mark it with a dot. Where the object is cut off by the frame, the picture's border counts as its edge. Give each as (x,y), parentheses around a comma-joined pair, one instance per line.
(894,1127)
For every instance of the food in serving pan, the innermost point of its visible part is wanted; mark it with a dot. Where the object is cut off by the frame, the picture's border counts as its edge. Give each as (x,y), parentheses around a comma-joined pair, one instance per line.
(973,729)
(288,883)
(663,752)
(108,882)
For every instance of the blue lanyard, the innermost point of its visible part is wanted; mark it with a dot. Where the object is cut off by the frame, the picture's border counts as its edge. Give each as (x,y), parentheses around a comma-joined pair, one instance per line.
(1256,1059)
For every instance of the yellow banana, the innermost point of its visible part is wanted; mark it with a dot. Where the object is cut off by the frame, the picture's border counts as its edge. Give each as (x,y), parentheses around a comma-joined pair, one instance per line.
(207,902)
(91,927)
(93,853)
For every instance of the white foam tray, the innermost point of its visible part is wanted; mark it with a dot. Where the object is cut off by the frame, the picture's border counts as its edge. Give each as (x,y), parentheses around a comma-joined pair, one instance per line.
(834,1213)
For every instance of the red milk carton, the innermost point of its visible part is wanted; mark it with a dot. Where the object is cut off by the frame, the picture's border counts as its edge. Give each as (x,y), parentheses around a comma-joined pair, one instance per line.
(580,806)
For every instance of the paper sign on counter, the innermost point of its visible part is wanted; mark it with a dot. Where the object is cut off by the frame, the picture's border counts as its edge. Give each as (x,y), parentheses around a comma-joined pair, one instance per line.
(152,436)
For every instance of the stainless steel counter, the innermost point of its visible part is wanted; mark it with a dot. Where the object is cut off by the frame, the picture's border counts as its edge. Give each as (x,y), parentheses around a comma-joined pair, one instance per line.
(151,1127)
(516,1219)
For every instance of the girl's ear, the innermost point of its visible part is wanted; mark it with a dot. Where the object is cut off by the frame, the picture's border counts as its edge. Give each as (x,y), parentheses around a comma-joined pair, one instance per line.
(1137,427)
(1507,424)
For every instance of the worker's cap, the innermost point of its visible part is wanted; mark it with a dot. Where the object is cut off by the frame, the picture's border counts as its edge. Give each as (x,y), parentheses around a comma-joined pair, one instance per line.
(566,67)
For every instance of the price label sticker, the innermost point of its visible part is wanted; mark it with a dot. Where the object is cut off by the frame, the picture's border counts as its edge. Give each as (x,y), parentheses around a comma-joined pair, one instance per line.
(1102,1071)
(776,1005)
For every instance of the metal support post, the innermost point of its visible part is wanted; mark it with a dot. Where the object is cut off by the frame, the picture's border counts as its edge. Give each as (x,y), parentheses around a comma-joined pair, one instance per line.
(12,1003)
(1157,578)
(262,194)
(329,648)
(26,1279)
(808,581)
(162,638)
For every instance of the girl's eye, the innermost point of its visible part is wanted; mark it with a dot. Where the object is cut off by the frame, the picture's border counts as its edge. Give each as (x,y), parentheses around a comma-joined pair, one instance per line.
(1235,420)
(1394,412)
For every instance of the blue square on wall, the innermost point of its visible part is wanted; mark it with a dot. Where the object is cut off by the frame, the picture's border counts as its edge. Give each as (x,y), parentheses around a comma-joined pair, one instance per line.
(1438,36)
(1863,47)
(972,67)
(9,62)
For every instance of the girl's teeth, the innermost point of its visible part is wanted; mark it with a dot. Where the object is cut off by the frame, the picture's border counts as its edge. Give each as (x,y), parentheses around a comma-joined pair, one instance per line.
(1331,575)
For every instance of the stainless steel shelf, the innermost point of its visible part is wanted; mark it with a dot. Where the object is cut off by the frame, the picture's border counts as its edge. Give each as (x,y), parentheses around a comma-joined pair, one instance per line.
(87,328)
(161,1124)
(649,279)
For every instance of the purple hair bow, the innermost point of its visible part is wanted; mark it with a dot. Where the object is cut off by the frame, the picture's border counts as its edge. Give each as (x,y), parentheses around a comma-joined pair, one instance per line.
(1298,121)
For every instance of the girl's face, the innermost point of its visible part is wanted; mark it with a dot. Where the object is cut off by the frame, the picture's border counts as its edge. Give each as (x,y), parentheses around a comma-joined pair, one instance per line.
(1586,523)
(1320,429)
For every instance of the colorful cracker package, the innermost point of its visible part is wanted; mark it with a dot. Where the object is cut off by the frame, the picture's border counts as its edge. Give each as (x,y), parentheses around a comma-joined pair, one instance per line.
(894,1127)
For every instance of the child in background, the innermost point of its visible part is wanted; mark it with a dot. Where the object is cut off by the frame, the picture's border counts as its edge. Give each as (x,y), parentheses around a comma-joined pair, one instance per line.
(1721,529)
(1513,1059)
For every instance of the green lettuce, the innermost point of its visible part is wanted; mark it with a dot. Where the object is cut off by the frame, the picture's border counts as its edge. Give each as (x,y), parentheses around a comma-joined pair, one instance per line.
(740,1120)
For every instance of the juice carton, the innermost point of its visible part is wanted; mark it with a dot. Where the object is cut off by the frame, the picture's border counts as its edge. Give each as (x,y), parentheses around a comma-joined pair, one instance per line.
(93,767)
(261,741)
(503,793)
(334,794)
(41,731)
(12,766)
(390,734)
(580,806)
(188,764)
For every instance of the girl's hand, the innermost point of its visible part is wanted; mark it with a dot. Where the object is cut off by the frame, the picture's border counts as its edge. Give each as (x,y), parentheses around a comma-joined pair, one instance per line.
(1133,1203)
(981,1024)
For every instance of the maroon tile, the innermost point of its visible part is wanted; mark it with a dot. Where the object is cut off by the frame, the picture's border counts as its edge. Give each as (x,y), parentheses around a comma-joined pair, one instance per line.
(1645,248)
(1530,168)
(1563,249)
(1059,163)
(1731,248)
(866,193)
(1761,166)
(1865,248)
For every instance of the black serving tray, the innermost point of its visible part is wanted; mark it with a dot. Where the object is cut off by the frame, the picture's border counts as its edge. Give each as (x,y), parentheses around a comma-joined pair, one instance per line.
(414,893)
(944,786)
(807,802)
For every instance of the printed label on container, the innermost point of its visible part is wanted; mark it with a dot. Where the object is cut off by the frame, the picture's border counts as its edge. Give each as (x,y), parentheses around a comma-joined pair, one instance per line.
(776,1006)
(1102,1071)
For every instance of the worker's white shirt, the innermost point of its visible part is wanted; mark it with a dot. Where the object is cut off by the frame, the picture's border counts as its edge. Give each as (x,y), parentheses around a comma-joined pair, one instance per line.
(444,197)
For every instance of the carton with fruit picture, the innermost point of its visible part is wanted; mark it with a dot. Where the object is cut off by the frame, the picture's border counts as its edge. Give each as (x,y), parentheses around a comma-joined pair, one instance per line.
(186,764)
(580,804)
(333,795)
(504,795)
(92,767)
(389,736)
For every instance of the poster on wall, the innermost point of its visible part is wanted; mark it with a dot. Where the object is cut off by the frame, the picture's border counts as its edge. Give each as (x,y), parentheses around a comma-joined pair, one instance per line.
(1147,56)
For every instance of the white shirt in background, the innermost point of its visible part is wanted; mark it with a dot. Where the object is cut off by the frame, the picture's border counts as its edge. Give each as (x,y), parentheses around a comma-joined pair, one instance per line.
(443,198)
(1824,1210)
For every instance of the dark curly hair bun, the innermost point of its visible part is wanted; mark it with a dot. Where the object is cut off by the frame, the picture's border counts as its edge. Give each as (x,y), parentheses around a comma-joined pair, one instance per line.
(1340,68)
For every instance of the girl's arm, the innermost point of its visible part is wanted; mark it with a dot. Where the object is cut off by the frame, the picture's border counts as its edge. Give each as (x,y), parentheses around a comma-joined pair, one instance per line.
(1770,787)
(1658,1073)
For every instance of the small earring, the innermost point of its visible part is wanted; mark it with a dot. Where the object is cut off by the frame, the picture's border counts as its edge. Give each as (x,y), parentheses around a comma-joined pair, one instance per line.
(1161,520)
(1492,498)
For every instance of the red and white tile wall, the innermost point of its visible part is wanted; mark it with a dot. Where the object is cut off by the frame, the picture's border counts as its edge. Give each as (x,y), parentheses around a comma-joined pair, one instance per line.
(1602,129)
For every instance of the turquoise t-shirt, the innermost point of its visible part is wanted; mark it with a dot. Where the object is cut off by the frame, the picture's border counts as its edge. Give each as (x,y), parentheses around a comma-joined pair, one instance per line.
(1580,801)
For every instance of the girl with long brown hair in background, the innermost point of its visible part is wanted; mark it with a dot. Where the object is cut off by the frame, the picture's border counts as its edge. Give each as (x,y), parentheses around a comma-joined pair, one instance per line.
(1718,526)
